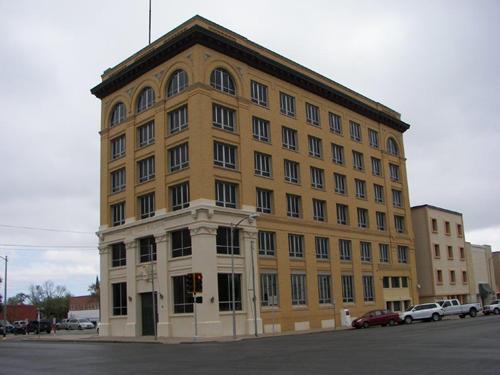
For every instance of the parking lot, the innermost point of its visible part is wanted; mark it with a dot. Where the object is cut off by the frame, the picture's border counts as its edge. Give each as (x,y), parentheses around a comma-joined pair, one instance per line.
(452,346)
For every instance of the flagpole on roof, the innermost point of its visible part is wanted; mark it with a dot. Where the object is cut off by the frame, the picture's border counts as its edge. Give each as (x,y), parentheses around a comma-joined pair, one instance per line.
(149,22)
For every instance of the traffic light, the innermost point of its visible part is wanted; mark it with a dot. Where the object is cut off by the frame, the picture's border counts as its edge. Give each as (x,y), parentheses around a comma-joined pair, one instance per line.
(198,282)
(189,283)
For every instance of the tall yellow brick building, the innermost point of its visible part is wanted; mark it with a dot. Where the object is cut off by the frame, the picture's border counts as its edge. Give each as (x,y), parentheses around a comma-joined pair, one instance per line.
(202,129)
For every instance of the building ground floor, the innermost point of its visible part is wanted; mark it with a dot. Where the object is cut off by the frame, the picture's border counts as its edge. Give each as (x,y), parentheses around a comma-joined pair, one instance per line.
(277,275)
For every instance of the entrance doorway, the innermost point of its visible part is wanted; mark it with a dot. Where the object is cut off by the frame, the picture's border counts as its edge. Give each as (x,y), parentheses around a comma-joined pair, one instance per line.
(147,313)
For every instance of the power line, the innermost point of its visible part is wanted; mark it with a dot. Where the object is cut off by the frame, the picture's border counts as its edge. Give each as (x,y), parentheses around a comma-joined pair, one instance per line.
(45,229)
(39,249)
(50,246)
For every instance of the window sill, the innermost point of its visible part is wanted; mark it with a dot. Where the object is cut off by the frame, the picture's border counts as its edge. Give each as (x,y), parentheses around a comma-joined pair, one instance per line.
(300,307)
(228,131)
(117,268)
(262,176)
(171,173)
(170,135)
(289,115)
(265,106)
(145,182)
(137,148)
(261,140)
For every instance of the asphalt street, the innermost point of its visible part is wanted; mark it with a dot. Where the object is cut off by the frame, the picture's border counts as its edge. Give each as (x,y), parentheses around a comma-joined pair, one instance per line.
(460,346)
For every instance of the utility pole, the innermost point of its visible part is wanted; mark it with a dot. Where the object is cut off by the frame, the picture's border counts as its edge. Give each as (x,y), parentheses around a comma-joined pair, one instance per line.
(149,40)
(5,298)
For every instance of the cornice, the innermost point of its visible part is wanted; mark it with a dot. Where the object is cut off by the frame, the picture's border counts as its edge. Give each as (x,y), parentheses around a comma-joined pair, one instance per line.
(200,35)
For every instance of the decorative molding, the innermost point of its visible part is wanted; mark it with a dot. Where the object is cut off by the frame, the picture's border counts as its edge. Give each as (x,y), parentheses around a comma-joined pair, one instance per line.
(159,75)
(206,56)
(130,91)
(103,249)
(131,245)
(249,235)
(203,230)
(189,57)
(161,237)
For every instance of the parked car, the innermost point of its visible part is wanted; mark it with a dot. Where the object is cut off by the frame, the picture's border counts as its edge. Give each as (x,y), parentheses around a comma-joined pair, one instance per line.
(375,318)
(492,308)
(80,324)
(453,307)
(34,326)
(10,327)
(63,324)
(425,311)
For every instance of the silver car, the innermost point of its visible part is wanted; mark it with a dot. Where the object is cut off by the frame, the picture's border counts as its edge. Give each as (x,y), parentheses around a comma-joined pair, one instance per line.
(80,324)
(425,311)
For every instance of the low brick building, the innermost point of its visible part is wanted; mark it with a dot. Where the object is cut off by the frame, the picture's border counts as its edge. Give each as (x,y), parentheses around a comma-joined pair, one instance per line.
(20,312)
(84,307)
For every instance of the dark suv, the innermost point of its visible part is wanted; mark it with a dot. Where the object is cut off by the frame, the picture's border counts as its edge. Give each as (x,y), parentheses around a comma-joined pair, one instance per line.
(35,327)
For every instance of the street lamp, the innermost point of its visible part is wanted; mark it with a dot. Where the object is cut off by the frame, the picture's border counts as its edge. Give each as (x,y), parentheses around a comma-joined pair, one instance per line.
(233,227)
(5,298)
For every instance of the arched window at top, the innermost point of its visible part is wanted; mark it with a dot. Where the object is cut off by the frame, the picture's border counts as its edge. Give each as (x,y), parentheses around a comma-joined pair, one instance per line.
(117,114)
(221,80)
(146,99)
(178,82)
(392,147)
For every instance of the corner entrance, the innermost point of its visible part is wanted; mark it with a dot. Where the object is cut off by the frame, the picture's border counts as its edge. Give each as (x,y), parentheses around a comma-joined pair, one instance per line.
(147,313)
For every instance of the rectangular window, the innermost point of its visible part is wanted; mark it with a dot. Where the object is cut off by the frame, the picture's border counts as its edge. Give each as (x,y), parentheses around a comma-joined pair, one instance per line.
(402,254)
(366,251)
(434,225)
(381,221)
(181,243)
(315,148)
(224,155)
(324,289)
(119,298)
(384,253)
(439,274)
(298,289)
(394,172)
(179,196)
(452,277)
(223,241)
(373,135)
(259,93)
(360,188)
(178,157)
(437,251)
(342,214)
(462,254)
(345,249)
(183,301)
(118,147)
(118,214)
(347,289)
(355,131)
(261,129)
(223,117)
(287,104)
(146,134)
(395,282)
(319,210)
(312,114)
(317,178)
(268,290)
(386,283)
(147,249)
(340,183)
(225,282)
(267,243)
(450,252)
(376,167)
(447,228)
(296,245)
(362,218)
(264,201)
(404,282)
(464,277)
(146,169)
(368,290)
(322,247)
(396,198)
(399,223)
(289,138)
(262,164)
(357,161)
(291,171)
(337,154)
(225,194)
(459,230)
(378,191)
(118,180)
(178,119)
(335,123)
(146,205)
(118,255)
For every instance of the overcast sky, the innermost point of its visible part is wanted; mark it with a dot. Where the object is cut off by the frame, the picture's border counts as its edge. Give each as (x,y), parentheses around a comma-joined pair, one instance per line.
(435,62)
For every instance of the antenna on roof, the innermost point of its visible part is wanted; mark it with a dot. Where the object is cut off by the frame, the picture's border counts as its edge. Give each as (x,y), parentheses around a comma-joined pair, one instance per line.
(149,22)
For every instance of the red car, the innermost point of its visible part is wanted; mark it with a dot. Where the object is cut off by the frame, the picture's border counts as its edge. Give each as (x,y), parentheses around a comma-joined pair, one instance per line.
(376,318)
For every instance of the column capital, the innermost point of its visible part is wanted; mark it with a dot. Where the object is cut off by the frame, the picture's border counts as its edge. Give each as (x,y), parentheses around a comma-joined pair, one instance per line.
(104,248)
(161,237)
(250,234)
(131,244)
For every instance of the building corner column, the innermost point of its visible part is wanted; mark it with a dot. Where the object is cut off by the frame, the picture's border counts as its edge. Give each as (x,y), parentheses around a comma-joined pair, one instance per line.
(132,296)
(162,248)
(104,300)
(253,318)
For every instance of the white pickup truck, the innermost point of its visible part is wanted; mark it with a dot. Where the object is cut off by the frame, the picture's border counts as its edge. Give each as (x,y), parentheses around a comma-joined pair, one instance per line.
(453,307)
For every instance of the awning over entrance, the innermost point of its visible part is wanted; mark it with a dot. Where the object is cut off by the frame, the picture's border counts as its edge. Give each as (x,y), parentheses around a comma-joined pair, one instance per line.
(485,290)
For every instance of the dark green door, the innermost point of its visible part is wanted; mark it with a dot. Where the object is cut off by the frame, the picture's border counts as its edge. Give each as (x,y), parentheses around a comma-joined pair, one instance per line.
(147,313)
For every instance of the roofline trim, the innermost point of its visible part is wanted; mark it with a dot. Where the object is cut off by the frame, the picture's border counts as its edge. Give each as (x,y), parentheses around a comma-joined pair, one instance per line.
(436,208)
(200,35)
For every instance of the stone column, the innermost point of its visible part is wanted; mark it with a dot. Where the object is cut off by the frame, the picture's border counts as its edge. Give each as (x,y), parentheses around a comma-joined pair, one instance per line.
(132,296)
(105,301)
(162,248)
(204,260)
(251,275)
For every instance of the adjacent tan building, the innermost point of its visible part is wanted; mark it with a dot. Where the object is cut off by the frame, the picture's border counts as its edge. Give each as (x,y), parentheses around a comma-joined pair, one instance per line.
(482,282)
(496,270)
(440,252)
(203,128)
